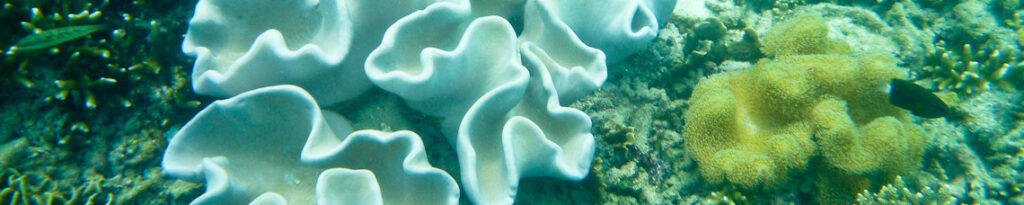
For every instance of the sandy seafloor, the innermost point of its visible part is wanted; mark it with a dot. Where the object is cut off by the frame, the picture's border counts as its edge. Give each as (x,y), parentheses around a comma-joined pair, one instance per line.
(68,135)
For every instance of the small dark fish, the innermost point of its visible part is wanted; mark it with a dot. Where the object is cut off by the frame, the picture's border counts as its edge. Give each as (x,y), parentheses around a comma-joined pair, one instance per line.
(920,101)
(55,36)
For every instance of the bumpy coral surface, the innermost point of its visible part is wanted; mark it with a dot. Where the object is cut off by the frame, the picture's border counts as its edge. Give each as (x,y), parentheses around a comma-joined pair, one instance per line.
(801,36)
(752,127)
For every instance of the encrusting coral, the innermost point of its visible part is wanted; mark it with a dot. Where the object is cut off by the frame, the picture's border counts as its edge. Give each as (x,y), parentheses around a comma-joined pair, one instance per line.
(752,127)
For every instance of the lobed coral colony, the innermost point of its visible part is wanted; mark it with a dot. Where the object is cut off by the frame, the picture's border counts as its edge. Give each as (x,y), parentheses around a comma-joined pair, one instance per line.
(758,126)
(497,74)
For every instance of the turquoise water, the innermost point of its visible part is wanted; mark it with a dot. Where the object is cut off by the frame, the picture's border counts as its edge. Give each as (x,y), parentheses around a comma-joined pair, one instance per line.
(92,116)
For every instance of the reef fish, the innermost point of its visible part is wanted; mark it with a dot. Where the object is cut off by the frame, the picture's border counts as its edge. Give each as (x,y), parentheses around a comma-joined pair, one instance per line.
(920,101)
(55,36)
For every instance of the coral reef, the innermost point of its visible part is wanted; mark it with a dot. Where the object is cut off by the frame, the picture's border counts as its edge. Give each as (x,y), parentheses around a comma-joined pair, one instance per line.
(898,193)
(103,69)
(639,160)
(910,31)
(973,52)
(90,114)
(30,189)
(970,70)
(641,164)
(90,188)
(969,22)
(87,120)
(976,160)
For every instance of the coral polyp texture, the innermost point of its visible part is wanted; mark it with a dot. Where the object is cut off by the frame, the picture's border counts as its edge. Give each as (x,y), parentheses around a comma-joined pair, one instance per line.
(498,74)
(801,36)
(754,127)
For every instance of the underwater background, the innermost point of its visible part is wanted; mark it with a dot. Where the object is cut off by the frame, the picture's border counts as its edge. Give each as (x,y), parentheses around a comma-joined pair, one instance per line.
(87,119)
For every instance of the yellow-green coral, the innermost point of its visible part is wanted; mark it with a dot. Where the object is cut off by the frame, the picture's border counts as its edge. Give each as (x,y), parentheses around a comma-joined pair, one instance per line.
(855,149)
(752,127)
(800,36)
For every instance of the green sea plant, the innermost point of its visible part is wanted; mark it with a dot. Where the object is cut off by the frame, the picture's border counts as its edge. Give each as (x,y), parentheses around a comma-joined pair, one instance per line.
(969,70)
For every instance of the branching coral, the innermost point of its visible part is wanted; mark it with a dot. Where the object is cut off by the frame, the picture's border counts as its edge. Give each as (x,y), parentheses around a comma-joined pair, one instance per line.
(972,70)
(137,50)
(29,188)
(17,75)
(124,65)
(898,193)
(38,188)
(102,70)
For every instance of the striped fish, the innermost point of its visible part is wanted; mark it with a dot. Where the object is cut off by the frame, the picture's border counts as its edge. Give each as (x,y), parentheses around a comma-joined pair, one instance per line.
(55,36)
